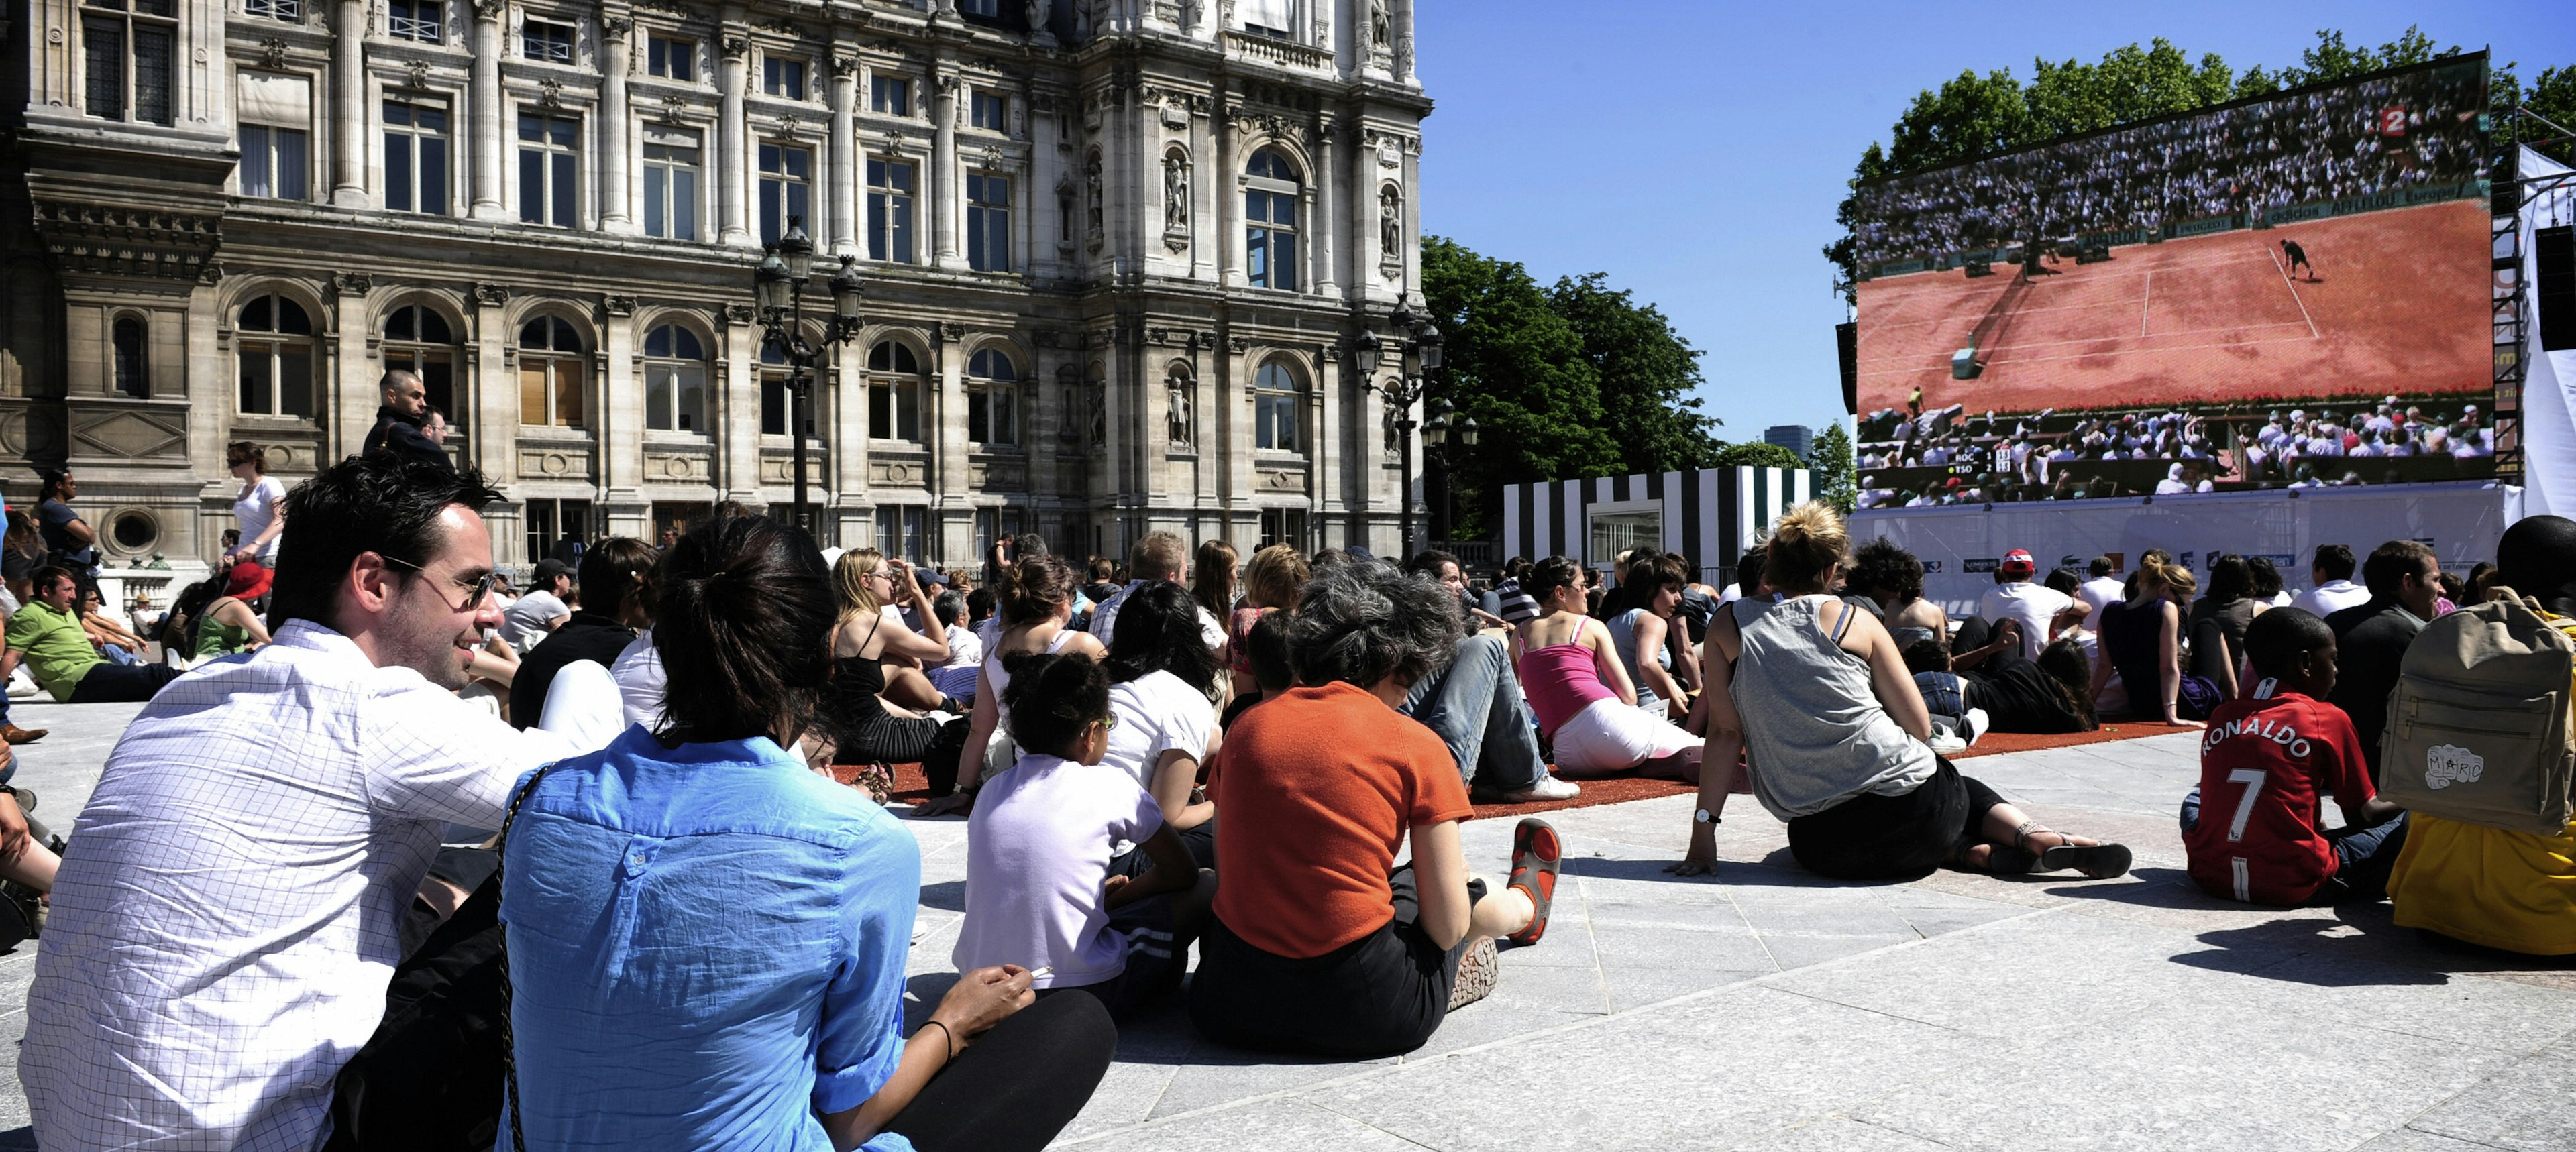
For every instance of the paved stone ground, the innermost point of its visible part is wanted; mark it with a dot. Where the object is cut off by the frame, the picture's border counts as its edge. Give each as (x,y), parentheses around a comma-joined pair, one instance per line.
(1769,1009)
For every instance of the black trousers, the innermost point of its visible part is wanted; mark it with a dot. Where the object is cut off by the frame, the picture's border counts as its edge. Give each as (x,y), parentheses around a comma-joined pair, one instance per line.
(1874,837)
(1380,995)
(1020,1083)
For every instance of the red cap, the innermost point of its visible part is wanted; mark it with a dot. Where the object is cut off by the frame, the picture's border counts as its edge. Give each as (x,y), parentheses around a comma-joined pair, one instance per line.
(2018,560)
(247,581)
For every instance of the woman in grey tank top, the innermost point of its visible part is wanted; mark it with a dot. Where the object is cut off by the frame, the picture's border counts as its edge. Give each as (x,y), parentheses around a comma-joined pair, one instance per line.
(1821,700)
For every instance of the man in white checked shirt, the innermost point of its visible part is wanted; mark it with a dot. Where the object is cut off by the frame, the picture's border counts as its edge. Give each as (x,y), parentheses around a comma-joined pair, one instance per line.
(226,920)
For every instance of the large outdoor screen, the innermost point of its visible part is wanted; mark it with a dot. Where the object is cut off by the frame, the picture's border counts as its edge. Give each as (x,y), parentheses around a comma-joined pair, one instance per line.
(2288,291)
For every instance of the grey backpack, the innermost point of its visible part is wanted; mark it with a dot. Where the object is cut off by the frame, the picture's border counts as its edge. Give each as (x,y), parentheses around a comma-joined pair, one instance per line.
(2478,723)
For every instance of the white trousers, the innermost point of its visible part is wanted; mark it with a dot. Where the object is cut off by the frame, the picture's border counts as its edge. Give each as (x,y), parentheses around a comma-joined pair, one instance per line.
(1608,736)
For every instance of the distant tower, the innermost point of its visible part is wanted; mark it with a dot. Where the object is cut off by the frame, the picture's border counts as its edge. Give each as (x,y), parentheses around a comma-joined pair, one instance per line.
(1794,437)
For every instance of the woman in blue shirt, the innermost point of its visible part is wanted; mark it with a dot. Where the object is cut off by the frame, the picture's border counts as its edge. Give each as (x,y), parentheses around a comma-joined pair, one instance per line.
(707,940)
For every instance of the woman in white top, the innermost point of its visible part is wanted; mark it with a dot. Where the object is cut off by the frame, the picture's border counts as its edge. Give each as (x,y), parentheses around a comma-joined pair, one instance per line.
(1161,675)
(259,506)
(1035,607)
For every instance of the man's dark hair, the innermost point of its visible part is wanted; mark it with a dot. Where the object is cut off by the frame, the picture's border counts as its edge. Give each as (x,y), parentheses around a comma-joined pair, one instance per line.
(384,503)
(42,579)
(1428,561)
(1748,568)
(2390,564)
(614,570)
(1884,568)
(1928,654)
(1266,645)
(2230,578)
(2064,580)
(744,604)
(2267,579)
(2277,638)
(979,604)
(1158,631)
(2334,561)
(2101,566)
(1516,567)
(1054,696)
(949,608)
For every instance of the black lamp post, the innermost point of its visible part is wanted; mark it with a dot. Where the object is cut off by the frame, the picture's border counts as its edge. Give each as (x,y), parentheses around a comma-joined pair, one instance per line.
(1417,350)
(779,283)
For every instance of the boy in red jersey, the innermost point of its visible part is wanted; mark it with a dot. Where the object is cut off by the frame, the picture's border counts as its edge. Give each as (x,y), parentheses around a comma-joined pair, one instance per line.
(2267,763)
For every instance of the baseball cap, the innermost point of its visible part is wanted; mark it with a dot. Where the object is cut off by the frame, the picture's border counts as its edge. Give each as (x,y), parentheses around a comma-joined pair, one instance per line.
(932,577)
(2018,560)
(548,569)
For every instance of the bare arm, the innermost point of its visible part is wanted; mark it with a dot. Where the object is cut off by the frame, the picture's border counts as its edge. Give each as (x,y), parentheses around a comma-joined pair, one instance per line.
(239,615)
(1650,634)
(2168,660)
(1721,749)
(979,1000)
(897,639)
(1440,877)
(1176,774)
(1605,659)
(1685,661)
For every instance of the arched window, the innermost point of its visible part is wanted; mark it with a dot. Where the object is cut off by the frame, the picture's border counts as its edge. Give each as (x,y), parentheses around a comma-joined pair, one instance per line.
(1270,211)
(675,380)
(550,373)
(1276,396)
(992,398)
(418,338)
(894,392)
(128,338)
(274,357)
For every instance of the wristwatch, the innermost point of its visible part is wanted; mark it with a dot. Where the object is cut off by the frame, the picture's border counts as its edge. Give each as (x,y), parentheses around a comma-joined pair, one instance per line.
(1704,816)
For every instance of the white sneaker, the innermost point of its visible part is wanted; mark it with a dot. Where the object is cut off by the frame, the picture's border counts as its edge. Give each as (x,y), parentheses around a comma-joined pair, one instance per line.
(1547,788)
(21,685)
(1977,723)
(1945,743)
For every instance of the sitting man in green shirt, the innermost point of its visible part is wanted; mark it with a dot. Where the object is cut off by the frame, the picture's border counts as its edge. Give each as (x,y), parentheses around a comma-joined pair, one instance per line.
(47,635)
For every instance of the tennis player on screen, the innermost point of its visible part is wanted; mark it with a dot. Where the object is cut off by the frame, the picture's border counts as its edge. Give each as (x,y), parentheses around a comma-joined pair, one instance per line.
(2298,258)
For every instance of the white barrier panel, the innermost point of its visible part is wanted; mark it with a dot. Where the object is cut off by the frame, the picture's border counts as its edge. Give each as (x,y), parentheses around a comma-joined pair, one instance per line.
(1961,545)
(2549,378)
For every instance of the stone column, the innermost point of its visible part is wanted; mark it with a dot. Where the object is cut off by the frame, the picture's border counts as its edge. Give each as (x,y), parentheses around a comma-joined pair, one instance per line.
(353,395)
(1362,220)
(494,432)
(1402,17)
(841,166)
(1333,219)
(616,56)
(944,177)
(735,396)
(620,434)
(1227,182)
(732,205)
(489,132)
(349,104)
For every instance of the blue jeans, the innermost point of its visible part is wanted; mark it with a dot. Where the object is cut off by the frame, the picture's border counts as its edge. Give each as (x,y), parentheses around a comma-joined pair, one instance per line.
(1475,705)
(116,654)
(2363,856)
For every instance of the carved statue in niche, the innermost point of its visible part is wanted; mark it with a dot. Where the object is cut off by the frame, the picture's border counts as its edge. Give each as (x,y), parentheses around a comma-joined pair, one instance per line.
(1381,28)
(1176,193)
(1394,435)
(1096,399)
(1183,408)
(1039,12)
(1091,190)
(1390,224)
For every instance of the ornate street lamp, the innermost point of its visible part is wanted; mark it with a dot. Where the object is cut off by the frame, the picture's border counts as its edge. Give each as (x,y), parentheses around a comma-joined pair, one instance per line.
(1417,355)
(778,284)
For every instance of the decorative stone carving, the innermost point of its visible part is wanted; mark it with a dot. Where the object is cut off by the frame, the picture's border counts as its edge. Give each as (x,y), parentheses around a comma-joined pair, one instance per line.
(1390,231)
(844,65)
(272,53)
(352,283)
(1176,198)
(1095,402)
(491,9)
(1381,26)
(132,434)
(89,237)
(676,466)
(741,313)
(1002,474)
(1282,479)
(1240,344)
(619,305)
(551,463)
(1181,407)
(674,110)
(1092,198)
(416,75)
(952,331)
(617,26)
(737,45)
(491,295)
(549,92)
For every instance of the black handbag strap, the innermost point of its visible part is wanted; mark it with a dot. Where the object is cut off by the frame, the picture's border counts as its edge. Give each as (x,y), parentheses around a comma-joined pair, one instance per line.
(500,856)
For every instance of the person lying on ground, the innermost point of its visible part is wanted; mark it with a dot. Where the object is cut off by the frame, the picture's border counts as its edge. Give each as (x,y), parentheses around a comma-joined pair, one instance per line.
(1326,946)
(739,982)
(1586,705)
(1161,676)
(2250,827)
(1044,887)
(1836,732)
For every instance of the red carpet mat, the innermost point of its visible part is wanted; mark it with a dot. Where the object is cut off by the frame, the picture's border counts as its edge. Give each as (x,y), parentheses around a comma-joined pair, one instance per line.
(911,787)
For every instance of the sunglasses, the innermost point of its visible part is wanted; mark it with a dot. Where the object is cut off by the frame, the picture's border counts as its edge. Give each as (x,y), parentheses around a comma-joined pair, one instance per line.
(477,590)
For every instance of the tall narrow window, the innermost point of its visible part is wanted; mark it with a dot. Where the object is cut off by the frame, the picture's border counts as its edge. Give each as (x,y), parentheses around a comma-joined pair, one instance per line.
(777,393)
(988,222)
(786,176)
(290,11)
(272,162)
(1276,399)
(418,338)
(670,183)
(126,57)
(1270,212)
(415,20)
(783,78)
(675,380)
(899,530)
(1277,18)
(992,8)
(549,153)
(989,111)
(671,57)
(547,41)
(550,374)
(992,398)
(416,158)
(273,359)
(894,392)
(889,210)
(890,95)
(127,335)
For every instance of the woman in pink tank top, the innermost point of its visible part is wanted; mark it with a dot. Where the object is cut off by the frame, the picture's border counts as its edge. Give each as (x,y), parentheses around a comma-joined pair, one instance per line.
(1580,692)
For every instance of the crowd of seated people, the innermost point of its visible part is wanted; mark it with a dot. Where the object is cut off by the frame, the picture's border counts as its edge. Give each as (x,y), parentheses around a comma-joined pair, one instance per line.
(1947,456)
(1145,830)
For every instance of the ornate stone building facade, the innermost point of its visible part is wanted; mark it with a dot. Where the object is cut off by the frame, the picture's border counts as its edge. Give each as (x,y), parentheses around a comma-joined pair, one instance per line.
(1114,250)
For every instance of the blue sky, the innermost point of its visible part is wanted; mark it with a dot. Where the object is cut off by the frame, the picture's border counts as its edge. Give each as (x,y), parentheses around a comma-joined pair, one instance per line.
(1695,151)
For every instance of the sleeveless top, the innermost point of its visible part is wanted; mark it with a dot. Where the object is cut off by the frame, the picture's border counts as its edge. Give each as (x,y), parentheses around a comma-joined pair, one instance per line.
(1562,681)
(997,678)
(216,638)
(1816,730)
(1623,636)
(857,685)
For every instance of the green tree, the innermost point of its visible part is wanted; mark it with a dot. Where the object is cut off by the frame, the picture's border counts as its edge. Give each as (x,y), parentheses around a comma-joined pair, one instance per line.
(1646,374)
(2551,97)
(1756,454)
(1517,366)
(1830,457)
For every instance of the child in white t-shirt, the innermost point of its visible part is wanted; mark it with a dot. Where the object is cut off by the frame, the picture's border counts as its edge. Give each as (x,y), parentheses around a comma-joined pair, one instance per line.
(1039,892)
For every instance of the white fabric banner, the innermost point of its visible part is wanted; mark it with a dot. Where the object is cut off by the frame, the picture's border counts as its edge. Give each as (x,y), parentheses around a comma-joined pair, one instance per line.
(2549,378)
(1961,545)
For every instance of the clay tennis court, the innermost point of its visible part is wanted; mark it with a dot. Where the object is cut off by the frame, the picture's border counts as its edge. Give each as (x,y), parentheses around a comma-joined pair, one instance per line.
(2399,305)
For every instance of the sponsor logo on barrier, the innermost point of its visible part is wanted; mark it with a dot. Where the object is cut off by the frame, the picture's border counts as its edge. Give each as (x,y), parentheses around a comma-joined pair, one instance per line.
(1932,567)
(1979,565)
(2448,764)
